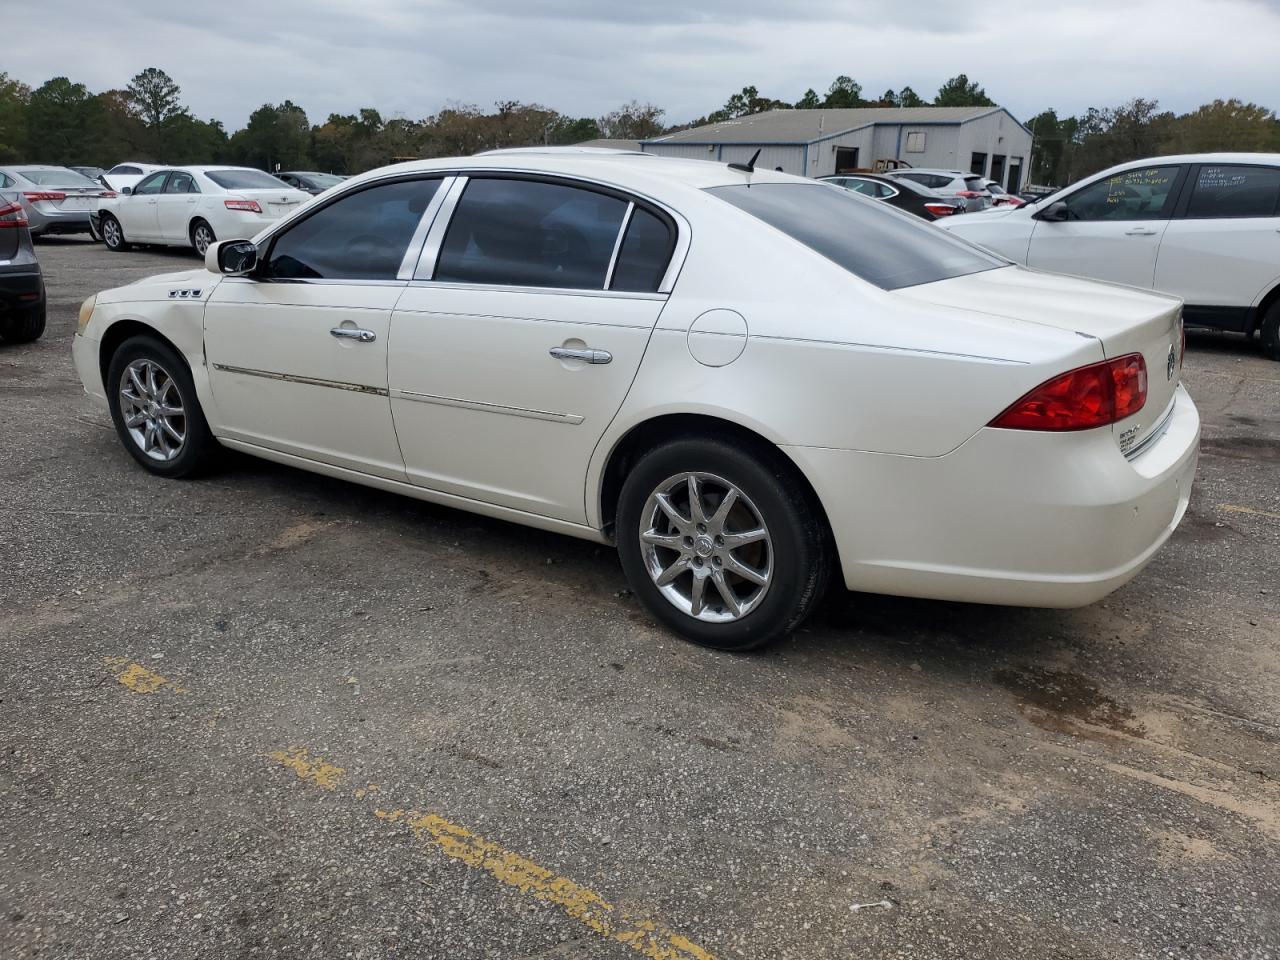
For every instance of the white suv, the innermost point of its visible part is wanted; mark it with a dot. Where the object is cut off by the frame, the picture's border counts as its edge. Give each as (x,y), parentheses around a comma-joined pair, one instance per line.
(969,187)
(1204,227)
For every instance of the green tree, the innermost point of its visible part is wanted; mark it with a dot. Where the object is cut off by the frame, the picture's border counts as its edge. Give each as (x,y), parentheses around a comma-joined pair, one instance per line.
(276,134)
(632,121)
(14,97)
(155,96)
(1116,134)
(113,132)
(844,92)
(909,98)
(810,100)
(58,113)
(960,92)
(1225,125)
(568,130)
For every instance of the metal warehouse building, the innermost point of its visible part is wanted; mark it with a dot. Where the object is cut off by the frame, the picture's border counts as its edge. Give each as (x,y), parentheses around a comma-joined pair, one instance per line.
(818,143)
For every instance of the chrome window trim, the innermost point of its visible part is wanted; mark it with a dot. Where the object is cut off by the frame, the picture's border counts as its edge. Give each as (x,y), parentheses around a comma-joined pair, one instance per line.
(426,264)
(617,243)
(548,291)
(414,250)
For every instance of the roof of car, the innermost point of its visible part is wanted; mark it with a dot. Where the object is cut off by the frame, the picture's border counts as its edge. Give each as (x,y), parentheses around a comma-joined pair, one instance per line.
(623,168)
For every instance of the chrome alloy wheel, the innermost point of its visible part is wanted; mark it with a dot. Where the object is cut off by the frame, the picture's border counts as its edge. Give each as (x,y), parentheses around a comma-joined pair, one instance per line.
(706,547)
(112,235)
(152,409)
(202,237)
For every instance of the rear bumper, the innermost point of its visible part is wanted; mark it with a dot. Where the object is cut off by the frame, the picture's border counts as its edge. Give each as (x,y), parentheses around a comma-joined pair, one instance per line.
(1010,517)
(21,289)
(74,221)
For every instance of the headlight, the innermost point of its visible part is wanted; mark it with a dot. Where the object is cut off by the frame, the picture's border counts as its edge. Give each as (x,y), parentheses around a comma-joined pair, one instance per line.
(86,312)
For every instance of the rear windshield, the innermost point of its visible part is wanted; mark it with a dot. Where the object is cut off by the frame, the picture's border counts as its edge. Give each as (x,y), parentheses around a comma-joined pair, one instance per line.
(325,180)
(871,240)
(244,180)
(57,177)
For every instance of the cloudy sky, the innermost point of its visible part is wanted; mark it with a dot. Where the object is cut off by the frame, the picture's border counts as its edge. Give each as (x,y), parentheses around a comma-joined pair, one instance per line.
(585,57)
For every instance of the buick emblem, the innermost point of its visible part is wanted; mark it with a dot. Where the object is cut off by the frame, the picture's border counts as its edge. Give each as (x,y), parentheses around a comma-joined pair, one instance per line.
(1172,363)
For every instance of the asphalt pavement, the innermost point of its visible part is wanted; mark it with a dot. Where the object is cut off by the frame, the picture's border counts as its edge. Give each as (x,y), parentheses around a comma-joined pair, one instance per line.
(271,714)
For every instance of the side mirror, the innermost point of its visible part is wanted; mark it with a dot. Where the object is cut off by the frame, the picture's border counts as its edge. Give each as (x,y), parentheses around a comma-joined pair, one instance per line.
(1055,212)
(127,191)
(231,258)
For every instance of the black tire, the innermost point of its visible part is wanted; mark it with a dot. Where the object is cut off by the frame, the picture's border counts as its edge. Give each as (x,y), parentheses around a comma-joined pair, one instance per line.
(23,326)
(113,234)
(799,538)
(199,448)
(1270,331)
(200,227)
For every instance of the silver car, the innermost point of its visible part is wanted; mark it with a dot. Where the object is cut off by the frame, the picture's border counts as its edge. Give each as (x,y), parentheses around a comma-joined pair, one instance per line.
(54,199)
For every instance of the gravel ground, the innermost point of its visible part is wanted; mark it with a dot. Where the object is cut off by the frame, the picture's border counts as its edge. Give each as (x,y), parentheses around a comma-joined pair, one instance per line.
(270,714)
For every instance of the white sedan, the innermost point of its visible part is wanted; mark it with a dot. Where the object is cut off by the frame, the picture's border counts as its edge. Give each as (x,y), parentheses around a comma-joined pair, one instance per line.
(194,206)
(745,380)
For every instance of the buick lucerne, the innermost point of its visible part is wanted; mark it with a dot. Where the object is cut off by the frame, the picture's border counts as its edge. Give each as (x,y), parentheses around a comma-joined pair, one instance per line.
(745,380)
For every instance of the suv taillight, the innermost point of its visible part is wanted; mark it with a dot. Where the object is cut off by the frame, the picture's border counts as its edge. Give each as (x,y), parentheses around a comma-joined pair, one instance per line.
(11,215)
(942,209)
(1080,399)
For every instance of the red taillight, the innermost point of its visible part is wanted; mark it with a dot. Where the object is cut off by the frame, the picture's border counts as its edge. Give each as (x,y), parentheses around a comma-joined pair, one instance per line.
(969,194)
(37,196)
(107,195)
(941,209)
(11,215)
(249,205)
(1081,399)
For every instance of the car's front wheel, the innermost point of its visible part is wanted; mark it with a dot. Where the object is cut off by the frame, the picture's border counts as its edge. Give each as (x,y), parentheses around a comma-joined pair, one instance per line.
(721,542)
(155,409)
(113,234)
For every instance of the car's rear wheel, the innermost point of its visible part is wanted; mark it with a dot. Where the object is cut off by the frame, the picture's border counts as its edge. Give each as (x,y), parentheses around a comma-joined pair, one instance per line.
(721,543)
(23,326)
(113,234)
(201,236)
(155,410)
(1270,330)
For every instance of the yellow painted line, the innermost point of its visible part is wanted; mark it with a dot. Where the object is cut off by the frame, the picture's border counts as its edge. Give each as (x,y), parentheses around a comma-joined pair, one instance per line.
(1235,508)
(589,908)
(311,769)
(646,937)
(137,677)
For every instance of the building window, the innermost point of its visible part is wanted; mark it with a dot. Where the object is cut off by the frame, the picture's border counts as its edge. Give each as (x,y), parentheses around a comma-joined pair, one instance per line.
(915,142)
(978,164)
(846,159)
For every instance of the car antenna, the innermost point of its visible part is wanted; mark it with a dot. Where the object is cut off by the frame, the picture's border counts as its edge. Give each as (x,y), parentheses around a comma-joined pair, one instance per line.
(750,165)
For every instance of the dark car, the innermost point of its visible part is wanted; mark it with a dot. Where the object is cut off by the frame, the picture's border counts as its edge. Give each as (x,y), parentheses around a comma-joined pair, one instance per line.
(22,302)
(309,181)
(904,194)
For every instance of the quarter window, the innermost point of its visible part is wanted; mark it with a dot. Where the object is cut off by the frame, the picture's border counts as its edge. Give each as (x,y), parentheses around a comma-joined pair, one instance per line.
(531,233)
(644,254)
(1235,192)
(151,184)
(361,236)
(1139,194)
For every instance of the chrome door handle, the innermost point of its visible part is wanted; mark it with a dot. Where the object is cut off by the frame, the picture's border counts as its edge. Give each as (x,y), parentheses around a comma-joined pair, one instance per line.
(1140,232)
(353,333)
(587,355)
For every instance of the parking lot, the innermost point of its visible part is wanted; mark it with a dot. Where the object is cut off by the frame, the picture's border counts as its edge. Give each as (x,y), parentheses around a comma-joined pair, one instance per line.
(272,714)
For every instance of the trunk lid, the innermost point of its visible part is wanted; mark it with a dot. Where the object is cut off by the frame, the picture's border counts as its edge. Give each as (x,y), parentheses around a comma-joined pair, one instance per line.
(275,203)
(1123,319)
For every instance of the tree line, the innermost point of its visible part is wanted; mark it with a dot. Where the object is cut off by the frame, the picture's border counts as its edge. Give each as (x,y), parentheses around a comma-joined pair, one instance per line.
(62,122)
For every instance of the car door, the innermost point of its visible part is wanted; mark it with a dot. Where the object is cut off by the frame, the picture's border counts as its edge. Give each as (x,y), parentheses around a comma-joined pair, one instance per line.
(297,351)
(1221,251)
(176,205)
(139,212)
(1112,228)
(516,343)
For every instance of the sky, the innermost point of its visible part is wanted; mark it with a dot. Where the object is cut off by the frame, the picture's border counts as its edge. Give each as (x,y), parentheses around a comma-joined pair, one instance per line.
(410,58)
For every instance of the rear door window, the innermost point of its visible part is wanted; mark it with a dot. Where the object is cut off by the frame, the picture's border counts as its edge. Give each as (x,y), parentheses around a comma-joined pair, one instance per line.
(873,241)
(531,233)
(361,236)
(181,182)
(1235,191)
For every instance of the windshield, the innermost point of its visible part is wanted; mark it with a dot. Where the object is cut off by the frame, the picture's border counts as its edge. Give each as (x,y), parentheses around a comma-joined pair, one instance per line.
(871,240)
(57,177)
(245,180)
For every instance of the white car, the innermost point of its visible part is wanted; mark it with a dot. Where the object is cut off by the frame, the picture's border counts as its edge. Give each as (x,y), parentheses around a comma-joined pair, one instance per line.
(970,188)
(1203,227)
(194,206)
(745,380)
(127,174)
